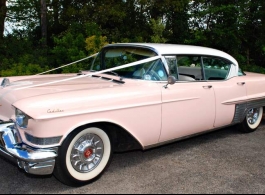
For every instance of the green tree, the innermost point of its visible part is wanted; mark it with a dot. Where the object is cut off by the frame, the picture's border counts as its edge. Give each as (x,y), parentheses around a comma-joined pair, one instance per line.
(234,26)
(158,29)
(95,43)
(3,11)
(43,23)
(253,39)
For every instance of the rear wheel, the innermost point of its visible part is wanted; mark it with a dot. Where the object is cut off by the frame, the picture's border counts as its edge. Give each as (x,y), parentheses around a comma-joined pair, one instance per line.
(252,120)
(83,157)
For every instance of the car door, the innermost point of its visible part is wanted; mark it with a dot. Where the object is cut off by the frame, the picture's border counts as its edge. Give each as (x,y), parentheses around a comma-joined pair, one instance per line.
(220,73)
(188,107)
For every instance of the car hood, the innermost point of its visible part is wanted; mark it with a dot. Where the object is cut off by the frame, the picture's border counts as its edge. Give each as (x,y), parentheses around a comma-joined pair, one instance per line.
(22,88)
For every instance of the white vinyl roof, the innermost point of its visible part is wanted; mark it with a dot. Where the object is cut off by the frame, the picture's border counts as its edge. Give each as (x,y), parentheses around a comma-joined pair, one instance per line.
(171,49)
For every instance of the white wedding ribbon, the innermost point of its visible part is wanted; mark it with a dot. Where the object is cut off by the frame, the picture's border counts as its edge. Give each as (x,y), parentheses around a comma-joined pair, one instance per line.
(67,65)
(91,74)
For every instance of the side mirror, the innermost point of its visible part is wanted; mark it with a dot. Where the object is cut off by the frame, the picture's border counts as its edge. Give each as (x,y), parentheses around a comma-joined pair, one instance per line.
(170,81)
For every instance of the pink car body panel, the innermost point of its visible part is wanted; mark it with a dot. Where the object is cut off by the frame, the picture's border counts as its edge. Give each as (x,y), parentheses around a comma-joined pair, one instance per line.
(224,92)
(151,113)
(184,105)
(131,106)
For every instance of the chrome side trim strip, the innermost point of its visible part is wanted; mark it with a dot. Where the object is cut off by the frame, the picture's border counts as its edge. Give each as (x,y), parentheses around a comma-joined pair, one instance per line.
(181,100)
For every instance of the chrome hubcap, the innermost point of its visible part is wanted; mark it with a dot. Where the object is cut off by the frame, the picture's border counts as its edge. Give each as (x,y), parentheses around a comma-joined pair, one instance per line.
(87,153)
(253,116)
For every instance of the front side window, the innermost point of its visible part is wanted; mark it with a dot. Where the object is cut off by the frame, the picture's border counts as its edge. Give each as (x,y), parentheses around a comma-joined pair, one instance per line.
(117,56)
(185,68)
(190,68)
(172,65)
(215,68)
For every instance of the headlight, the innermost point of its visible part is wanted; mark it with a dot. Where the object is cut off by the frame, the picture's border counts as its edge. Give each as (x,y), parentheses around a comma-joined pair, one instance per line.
(22,119)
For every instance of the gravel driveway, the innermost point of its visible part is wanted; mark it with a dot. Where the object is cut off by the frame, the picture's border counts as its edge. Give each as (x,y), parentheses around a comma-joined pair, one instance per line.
(225,161)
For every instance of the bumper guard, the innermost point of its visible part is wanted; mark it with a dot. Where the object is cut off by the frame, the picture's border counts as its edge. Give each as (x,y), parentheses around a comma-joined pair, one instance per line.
(33,161)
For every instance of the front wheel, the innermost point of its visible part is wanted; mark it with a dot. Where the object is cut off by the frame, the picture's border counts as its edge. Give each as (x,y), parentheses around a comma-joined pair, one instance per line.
(252,120)
(83,157)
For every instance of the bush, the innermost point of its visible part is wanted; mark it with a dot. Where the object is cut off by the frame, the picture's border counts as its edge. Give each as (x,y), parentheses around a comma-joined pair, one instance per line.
(22,69)
(253,68)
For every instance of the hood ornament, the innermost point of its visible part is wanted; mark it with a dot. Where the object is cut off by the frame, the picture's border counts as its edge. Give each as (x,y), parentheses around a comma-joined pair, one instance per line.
(5,82)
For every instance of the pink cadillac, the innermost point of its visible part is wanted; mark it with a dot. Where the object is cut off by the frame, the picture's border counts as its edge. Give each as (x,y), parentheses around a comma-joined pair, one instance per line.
(135,96)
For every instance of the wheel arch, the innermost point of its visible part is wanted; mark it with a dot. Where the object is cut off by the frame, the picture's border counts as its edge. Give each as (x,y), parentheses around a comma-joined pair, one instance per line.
(121,139)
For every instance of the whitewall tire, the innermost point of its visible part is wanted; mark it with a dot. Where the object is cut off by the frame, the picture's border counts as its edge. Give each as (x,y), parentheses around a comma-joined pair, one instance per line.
(252,120)
(83,157)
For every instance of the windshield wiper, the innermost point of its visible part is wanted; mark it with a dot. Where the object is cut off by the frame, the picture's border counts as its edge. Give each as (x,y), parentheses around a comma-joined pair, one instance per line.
(110,73)
(115,74)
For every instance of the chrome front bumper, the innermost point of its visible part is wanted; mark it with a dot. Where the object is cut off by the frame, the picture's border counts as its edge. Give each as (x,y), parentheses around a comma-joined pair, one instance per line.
(33,161)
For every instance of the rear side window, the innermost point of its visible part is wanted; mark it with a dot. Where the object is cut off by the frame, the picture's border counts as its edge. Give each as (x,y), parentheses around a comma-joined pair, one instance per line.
(216,68)
(198,68)
(241,73)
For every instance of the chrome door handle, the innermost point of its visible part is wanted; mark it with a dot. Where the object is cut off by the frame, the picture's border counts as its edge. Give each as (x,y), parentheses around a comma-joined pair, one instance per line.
(241,83)
(208,87)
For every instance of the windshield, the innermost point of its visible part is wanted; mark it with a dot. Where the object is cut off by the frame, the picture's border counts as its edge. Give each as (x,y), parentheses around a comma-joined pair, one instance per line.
(112,57)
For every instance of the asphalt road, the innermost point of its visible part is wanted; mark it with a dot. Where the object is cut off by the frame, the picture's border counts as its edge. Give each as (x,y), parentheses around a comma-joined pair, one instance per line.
(225,161)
